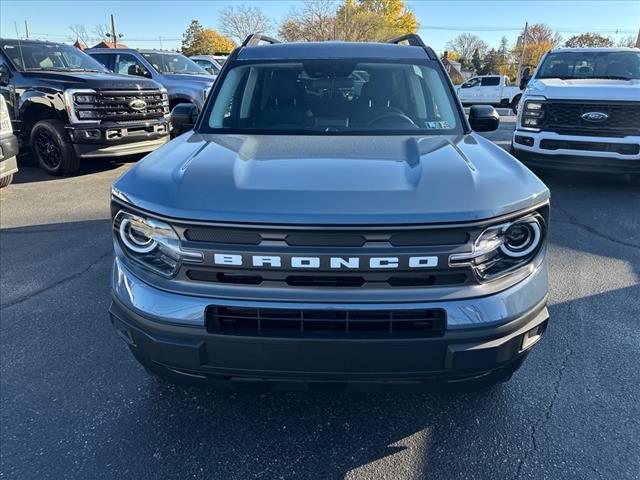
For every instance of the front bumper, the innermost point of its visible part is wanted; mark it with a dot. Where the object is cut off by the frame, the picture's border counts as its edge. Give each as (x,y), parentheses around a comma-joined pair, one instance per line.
(575,159)
(484,336)
(8,153)
(118,139)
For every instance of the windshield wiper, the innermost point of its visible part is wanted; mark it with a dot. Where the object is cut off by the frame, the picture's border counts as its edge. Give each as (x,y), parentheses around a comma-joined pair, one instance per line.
(613,77)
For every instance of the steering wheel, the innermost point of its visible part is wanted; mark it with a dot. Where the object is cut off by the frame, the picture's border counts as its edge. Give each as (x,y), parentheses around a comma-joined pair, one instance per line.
(397,115)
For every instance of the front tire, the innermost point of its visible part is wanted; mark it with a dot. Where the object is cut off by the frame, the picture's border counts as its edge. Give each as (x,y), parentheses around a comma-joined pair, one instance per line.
(515,103)
(52,149)
(6,181)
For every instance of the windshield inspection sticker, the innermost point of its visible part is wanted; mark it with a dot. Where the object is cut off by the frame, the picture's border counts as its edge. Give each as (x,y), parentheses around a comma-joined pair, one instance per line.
(438,125)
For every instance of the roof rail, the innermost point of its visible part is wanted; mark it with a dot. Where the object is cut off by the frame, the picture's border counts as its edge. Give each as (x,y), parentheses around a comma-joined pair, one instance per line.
(256,38)
(412,39)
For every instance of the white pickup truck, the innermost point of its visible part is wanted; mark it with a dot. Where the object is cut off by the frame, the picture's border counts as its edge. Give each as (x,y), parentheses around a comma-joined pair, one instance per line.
(581,111)
(491,90)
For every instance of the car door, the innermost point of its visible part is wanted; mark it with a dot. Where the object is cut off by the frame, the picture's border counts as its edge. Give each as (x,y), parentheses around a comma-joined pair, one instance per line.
(469,90)
(490,89)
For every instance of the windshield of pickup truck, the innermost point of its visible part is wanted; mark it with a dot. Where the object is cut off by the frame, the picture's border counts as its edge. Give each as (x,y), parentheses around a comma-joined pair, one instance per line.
(615,65)
(28,56)
(333,96)
(173,63)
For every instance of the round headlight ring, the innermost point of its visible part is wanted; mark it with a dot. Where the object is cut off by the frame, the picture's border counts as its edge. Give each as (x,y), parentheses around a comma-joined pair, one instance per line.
(134,239)
(525,238)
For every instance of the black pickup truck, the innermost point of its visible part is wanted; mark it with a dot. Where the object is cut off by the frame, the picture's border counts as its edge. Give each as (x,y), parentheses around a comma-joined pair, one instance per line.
(65,106)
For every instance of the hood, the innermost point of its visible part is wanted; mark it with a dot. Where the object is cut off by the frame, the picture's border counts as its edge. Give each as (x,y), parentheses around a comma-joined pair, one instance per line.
(92,80)
(196,80)
(330,179)
(588,88)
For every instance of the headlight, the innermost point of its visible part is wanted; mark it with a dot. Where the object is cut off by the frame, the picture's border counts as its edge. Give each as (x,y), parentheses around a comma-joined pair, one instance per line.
(5,121)
(504,248)
(151,243)
(75,100)
(532,114)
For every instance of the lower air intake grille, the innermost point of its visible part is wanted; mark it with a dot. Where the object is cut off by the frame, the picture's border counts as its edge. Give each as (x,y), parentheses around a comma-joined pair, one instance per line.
(332,323)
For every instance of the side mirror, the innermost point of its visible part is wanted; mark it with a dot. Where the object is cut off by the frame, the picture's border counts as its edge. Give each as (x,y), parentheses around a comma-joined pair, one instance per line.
(184,117)
(465,85)
(524,79)
(483,118)
(5,74)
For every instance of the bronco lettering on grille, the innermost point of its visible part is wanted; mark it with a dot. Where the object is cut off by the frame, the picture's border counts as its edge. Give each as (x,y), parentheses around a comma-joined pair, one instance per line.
(326,262)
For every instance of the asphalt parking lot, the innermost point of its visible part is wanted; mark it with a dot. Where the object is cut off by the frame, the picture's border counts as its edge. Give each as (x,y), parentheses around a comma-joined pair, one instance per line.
(75,404)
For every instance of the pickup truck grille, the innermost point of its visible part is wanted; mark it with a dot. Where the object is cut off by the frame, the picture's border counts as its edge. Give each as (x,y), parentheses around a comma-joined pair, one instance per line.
(322,250)
(126,105)
(566,117)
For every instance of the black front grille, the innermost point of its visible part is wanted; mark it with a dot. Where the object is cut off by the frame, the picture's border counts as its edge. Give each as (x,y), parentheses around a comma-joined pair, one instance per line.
(117,105)
(566,117)
(247,277)
(330,322)
(346,238)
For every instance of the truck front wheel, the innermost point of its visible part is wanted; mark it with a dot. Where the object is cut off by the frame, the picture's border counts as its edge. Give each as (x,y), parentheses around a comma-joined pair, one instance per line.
(52,149)
(515,103)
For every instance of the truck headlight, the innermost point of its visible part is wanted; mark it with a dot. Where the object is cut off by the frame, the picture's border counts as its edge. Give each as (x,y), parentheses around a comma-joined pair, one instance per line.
(504,248)
(152,243)
(532,114)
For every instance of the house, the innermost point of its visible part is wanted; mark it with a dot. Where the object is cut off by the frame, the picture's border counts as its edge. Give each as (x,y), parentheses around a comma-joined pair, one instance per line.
(457,74)
(79,45)
(105,44)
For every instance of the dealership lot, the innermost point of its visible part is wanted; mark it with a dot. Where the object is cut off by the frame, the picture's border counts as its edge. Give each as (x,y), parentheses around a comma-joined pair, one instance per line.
(75,404)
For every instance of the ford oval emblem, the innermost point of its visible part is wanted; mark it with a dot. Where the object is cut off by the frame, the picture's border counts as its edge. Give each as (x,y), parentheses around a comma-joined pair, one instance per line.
(594,116)
(138,105)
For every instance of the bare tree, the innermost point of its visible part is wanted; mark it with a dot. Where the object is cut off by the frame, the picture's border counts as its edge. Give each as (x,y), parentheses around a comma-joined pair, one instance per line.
(241,21)
(629,41)
(101,31)
(466,44)
(542,33)
(80,34)
(314,21)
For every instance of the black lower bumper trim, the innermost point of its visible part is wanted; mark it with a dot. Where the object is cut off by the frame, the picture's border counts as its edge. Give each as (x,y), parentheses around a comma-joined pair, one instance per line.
(196,356)
(578,162)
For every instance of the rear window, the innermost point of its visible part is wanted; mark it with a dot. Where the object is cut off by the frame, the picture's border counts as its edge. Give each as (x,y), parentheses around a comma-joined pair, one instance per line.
(337,96)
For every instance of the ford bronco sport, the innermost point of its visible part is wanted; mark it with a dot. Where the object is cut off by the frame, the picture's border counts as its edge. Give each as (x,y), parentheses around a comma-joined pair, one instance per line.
(331,217)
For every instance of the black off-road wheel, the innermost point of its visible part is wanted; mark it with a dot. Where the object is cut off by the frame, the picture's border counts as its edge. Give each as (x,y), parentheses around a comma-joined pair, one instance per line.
(515,103)
(52,148)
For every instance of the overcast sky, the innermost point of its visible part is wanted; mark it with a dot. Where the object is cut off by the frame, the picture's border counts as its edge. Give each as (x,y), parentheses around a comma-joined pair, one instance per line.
(155,24)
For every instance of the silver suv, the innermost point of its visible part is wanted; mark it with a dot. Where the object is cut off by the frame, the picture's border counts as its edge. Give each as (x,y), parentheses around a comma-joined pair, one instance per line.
(331,217)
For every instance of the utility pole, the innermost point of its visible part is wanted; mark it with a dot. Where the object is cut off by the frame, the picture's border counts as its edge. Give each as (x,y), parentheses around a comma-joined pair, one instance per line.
(524,45)
(113,32)
(26,29)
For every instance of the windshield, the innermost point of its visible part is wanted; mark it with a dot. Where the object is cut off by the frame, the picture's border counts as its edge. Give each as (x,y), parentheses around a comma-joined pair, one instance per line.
(173,63)
(574,65)
(333,96)
(27,56)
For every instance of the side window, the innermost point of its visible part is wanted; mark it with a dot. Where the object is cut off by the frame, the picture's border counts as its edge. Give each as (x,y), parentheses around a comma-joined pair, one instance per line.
(474,82)
(127,64)
(208,66)
(490,81)
(105,59)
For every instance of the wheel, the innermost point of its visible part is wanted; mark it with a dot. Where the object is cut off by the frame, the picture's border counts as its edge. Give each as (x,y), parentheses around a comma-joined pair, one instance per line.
(52,149)
(5,181)
(515,103)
